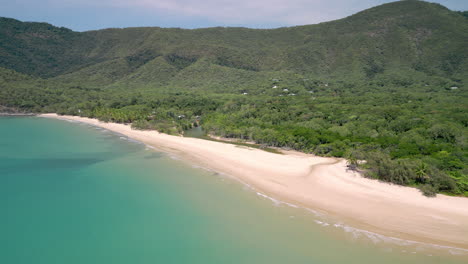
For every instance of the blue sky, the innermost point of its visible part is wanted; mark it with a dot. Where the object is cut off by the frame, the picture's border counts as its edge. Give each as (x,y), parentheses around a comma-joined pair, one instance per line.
(84,15)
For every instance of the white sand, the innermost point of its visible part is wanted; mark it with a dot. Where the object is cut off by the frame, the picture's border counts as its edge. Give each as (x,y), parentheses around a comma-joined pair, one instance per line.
(323,184)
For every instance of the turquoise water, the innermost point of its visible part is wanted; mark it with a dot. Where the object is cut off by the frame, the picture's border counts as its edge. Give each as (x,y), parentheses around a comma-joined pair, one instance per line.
(72,193)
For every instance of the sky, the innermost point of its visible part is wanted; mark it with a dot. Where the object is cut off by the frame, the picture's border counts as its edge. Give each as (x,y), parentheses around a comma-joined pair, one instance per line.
(82,15)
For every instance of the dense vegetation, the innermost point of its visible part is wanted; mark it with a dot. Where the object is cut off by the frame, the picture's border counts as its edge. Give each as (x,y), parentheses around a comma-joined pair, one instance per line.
(387,85)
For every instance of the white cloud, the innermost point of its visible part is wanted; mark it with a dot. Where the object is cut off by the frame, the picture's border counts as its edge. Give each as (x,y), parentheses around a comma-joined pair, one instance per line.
(242,12)
(246,12)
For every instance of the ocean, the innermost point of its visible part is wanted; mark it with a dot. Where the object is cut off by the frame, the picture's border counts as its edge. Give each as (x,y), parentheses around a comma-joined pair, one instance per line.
(74,193)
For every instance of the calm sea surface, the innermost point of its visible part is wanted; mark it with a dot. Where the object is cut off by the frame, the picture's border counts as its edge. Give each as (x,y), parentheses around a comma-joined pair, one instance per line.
(73,193)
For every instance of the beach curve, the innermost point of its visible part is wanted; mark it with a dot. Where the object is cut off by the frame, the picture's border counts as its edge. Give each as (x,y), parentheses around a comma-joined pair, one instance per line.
(322,184)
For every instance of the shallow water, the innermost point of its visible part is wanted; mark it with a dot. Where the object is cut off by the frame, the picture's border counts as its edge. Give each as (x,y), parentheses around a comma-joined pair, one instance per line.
(73,193)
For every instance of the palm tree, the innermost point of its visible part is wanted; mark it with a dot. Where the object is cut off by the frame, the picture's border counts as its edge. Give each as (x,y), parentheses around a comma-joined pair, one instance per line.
(422,172)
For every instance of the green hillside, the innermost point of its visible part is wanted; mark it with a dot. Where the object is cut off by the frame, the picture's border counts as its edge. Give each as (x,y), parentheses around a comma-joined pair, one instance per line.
(416,35)
(386,85)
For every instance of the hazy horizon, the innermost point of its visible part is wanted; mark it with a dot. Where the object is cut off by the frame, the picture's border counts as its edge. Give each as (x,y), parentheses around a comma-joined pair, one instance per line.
(86,15)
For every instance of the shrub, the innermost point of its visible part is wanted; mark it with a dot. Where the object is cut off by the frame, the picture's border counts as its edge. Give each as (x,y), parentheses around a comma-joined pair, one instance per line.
(428,190)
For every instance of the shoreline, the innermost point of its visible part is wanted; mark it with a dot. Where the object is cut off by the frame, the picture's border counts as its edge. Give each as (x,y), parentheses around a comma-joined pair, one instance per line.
(17,114)
(322,184)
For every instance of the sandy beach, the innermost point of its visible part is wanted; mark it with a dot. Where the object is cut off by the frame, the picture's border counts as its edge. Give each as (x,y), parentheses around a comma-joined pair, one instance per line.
(322,184)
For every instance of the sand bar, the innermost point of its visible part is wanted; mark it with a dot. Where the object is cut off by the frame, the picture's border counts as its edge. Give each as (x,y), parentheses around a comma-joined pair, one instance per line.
(322,184)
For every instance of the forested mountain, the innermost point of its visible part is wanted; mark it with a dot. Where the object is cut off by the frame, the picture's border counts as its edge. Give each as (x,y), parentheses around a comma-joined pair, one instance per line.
(403,36)
(387,85)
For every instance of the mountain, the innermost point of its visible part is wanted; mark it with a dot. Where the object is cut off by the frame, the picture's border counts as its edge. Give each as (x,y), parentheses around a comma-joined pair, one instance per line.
(386,85)
(406,36)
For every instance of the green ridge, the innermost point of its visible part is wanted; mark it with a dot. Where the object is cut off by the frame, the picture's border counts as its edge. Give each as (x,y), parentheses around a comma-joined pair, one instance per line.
(387,85)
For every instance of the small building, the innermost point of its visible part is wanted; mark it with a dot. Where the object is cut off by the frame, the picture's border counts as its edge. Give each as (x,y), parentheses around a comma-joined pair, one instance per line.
(245,93)
(453,88)
(274,87)
(285,90)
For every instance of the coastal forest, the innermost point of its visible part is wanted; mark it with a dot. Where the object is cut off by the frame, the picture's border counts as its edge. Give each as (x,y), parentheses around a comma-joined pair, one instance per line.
(385,88)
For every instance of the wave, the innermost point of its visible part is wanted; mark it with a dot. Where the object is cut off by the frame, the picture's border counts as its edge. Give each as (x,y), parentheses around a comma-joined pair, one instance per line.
(356,233)
(361,233)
